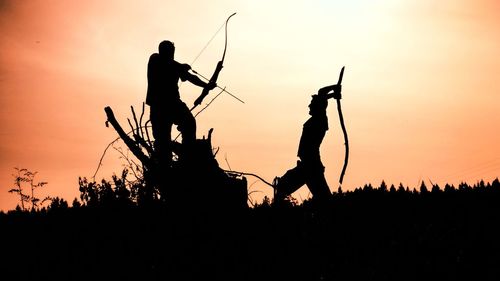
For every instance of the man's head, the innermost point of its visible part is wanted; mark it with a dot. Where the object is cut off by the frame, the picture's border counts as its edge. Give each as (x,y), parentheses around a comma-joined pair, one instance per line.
(166,49)
(318,104)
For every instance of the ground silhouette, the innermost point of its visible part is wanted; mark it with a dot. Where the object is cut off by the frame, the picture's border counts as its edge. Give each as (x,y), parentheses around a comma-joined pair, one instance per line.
(383,233)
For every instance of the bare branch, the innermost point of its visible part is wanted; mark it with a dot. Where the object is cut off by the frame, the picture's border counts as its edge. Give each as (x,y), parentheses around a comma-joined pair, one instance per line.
(227,162)
(146,126)
(135,121)
(140,119)
(131,127)
(136,150)
(250,174)
(147,133)
(127,159)
(102,156)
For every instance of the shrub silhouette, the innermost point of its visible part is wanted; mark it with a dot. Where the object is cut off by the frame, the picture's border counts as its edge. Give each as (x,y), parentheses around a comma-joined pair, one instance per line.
(27,177)
(118,192)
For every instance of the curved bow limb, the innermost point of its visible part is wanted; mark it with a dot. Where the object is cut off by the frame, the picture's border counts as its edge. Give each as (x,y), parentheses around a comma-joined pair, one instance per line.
(218,69)
(344,131)
(346,142)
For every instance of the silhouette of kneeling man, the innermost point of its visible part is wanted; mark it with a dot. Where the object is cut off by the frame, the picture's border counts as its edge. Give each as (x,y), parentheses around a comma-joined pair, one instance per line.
(166,107)
(309,169)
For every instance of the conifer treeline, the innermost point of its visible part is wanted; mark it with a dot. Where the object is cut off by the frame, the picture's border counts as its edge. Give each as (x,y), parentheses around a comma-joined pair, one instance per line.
(370,233)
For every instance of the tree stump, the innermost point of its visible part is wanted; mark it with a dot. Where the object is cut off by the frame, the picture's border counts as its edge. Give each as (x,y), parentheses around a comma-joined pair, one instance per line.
(194,180)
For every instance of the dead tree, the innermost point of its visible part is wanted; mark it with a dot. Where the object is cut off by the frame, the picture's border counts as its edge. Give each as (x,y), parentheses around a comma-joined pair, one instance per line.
(141,147)
(195,178)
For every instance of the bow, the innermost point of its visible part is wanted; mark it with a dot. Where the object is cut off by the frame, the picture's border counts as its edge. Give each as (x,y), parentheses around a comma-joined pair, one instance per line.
(346,140)
(325,91)
(215,75)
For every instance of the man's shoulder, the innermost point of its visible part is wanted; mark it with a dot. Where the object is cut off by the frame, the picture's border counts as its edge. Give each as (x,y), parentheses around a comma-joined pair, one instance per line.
(154,60)
(154,56)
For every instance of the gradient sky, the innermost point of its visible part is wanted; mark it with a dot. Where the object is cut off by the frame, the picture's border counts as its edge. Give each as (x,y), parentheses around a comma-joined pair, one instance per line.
(421,90)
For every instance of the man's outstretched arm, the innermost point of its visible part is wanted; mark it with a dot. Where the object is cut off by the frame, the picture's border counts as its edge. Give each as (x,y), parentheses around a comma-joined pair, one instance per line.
(337,89)
(198,82)
(195,79)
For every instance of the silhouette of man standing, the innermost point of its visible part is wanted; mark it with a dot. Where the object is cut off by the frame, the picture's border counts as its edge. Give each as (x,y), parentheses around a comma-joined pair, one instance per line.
(166,107)
(309,169)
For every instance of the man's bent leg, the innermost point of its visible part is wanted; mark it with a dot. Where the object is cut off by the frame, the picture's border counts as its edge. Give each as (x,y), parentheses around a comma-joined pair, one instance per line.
(186,124)
(316,182)
(292,180)
(162,127)
(162,130)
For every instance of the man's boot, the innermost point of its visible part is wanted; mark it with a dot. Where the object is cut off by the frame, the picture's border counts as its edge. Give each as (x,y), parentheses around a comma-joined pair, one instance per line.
(279,192)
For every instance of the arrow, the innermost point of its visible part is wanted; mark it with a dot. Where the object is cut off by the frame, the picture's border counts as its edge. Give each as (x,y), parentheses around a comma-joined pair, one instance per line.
(223,89)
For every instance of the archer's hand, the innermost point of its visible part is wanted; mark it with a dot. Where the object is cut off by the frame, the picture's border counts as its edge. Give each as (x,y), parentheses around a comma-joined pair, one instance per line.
(325,90)
(186,67)
(211,85)
(337,92)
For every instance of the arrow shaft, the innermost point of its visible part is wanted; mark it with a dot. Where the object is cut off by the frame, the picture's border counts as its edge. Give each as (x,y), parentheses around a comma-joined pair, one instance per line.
(223,89)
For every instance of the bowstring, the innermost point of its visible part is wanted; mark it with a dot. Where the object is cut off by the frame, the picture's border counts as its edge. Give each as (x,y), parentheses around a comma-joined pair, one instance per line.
(208,43)
(203,50)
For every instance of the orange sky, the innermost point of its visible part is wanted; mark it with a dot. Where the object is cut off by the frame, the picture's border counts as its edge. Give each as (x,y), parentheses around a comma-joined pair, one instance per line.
(421,87)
